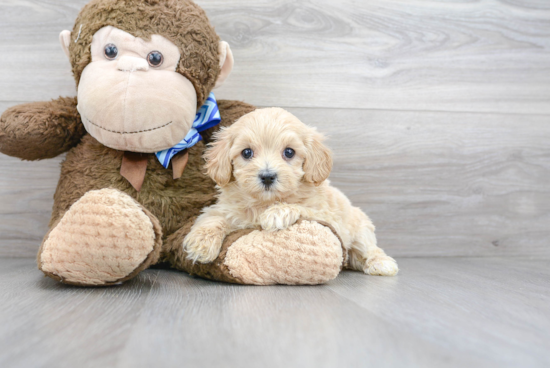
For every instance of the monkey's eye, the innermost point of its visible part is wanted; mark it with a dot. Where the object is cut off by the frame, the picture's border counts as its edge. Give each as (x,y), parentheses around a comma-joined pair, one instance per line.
(111,51)
(289,152)
(247,153)
(155,58)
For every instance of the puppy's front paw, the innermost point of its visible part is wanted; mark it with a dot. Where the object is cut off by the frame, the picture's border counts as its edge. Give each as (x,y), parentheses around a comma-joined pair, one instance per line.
(381,265)
(279,217)
(203,245)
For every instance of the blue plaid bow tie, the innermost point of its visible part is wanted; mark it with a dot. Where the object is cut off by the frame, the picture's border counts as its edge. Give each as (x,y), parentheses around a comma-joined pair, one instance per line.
(207,117)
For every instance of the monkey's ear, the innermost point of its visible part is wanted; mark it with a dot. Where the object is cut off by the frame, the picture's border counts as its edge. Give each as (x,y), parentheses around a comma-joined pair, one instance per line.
(218,158)
(226,63)
(65,40)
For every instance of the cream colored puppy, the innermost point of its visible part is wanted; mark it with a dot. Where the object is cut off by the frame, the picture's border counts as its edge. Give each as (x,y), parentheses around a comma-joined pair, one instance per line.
(271,170)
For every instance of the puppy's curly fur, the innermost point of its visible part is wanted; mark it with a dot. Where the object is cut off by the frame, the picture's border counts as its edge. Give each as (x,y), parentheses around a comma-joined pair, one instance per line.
(271,170)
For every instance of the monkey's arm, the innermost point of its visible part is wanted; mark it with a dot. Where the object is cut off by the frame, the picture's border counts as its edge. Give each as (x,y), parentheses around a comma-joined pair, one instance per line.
(39,130)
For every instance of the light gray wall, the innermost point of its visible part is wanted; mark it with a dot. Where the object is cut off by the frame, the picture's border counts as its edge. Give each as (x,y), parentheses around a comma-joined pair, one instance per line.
(438,112)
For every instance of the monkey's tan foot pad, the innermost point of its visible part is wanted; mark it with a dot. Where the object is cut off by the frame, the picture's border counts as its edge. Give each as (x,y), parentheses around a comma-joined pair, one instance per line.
(106,237)
(307,253)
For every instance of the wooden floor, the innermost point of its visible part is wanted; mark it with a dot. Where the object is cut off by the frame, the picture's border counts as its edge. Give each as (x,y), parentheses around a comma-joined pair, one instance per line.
(438,114)
(439,312)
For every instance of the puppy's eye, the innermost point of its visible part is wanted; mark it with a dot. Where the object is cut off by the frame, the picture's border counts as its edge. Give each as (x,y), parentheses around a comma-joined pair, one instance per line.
(155,58)
(111,51)
(247,153)
(289,153)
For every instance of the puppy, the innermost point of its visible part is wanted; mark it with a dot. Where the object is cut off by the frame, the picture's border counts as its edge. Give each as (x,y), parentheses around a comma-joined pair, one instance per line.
(271,170)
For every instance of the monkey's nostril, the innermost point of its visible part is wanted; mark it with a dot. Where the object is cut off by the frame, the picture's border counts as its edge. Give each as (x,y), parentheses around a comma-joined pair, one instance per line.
(268,179)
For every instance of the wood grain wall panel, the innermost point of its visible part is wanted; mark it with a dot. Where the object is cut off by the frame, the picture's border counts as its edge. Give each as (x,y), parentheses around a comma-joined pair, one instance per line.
(26,200)
(472,56)
(444,184)
(435,184)
(438,111)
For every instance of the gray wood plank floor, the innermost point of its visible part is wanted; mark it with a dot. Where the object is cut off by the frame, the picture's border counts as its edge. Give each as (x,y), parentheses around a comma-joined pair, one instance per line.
(450,312)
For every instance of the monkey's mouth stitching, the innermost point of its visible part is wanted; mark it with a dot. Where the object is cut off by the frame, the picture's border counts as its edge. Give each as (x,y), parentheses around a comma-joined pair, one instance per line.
(117,132)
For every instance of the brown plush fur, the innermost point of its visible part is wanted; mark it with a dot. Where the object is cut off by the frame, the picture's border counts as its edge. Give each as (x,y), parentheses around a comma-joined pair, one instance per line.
(180,21)
(46,129)
(91,165)
(40,130)
(173,203)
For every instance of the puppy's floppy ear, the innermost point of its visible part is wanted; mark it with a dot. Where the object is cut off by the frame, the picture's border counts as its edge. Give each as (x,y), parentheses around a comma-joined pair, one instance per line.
(218,159)
(318,160)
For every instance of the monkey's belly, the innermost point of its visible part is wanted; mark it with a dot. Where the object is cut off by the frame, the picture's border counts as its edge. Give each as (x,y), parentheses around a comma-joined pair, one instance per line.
(91,165)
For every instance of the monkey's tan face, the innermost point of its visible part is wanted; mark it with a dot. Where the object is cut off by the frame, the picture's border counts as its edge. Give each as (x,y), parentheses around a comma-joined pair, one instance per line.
(130,97)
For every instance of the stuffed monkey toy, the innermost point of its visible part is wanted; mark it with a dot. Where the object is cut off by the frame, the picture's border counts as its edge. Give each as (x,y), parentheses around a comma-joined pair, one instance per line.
(133,181)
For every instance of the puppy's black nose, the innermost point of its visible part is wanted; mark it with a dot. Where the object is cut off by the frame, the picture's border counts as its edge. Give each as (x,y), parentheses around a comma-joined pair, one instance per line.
(268,179)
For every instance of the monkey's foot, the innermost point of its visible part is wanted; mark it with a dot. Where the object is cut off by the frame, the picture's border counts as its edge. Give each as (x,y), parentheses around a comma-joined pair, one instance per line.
(106,237)
(307,253)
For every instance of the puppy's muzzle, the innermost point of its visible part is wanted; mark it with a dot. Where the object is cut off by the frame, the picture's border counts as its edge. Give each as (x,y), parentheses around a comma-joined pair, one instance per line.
(268,179)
